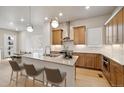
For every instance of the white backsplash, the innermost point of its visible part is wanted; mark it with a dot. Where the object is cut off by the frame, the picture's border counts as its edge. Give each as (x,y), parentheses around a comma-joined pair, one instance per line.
(113,50)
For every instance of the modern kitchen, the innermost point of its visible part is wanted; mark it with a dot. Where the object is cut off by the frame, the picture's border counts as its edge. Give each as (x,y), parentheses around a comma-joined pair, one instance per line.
(61,46)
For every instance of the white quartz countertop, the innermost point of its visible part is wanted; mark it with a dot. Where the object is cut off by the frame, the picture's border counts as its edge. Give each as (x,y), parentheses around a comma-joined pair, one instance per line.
(118,57)
(58,59)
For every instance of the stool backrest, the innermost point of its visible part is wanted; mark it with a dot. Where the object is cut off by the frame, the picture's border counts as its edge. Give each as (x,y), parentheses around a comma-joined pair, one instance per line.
(53,75)
(14,65)
(30,69)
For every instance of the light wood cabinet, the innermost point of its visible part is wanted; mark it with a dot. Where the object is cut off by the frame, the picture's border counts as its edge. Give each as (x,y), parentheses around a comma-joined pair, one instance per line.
(123,25)
(110,29)
(79,35)
(89,60)
(57,36)
(119,26)
(115,34)
(107,34)
(114,29)
(116,74)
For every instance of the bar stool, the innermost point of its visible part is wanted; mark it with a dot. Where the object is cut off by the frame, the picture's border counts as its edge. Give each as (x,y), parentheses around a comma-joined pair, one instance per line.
(15,68)
(55,77)
(32,72)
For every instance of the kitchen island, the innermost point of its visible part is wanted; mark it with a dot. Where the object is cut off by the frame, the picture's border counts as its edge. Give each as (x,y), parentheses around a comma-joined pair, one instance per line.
(64,65)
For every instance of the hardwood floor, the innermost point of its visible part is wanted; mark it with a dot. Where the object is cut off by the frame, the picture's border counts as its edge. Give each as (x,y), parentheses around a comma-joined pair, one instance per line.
(84,78)
(90,78)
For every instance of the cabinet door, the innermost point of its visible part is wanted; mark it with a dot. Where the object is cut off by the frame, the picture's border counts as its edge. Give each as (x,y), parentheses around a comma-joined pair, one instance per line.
(116,72)
(110,32)
(90,60)
(119,75)
(107,34)
(119,28)
(112,74)
(123,25)
(81,59)
(79,35)
(115,34)
(98,61)
(78,60)
(57,37)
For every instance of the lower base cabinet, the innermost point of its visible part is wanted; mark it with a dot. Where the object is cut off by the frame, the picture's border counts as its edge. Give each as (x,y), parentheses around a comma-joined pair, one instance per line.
(89,60)
(116,74)
(94,61)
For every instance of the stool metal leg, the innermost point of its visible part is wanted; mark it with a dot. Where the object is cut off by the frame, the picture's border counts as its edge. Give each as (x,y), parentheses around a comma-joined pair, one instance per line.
(65,82)
(16,78)
(33,81)
(11,77)
(26,80)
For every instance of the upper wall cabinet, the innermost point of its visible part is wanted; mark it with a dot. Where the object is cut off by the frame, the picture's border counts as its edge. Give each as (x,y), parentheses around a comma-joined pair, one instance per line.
(110,26)
(57,36)
(115,33)
(107,34)
(119,26)
(79,35)
(123,25)
(114,29)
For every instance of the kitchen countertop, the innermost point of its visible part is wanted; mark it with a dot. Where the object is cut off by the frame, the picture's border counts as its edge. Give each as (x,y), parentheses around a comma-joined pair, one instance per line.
(58,59)
(115,57)
(119,58)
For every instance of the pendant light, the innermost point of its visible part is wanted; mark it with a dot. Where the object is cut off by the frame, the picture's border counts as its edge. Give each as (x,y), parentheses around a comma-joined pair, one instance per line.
(54,23)
(30,26)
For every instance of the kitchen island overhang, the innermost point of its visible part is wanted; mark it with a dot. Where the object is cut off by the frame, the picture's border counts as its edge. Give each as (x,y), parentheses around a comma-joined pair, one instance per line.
(59,62)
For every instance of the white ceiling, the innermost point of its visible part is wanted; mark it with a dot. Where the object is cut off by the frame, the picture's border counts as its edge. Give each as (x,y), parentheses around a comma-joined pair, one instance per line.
(38,13)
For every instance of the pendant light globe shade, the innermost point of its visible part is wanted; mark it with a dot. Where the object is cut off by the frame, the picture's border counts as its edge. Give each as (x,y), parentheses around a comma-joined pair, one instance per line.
(54,23)
(30,28)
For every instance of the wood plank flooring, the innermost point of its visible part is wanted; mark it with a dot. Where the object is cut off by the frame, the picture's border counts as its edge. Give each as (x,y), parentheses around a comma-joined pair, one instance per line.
(84,78)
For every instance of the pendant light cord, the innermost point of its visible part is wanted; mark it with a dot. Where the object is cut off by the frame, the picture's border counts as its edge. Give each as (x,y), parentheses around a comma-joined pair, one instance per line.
(30,15)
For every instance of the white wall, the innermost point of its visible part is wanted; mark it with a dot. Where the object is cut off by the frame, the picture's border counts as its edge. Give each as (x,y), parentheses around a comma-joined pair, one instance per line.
(35,40)
(7,32)
(94,37)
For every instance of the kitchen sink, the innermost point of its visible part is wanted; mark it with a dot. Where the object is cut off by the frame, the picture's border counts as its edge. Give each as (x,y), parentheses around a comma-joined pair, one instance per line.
(53,55)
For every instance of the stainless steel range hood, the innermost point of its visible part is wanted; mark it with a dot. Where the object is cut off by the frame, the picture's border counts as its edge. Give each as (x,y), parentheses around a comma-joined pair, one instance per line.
(67,39)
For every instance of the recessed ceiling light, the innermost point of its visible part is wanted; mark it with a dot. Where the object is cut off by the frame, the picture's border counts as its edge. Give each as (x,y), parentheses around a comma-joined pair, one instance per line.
(46,18)
(87,7)
(22,19)
(11,23)
(60,14)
